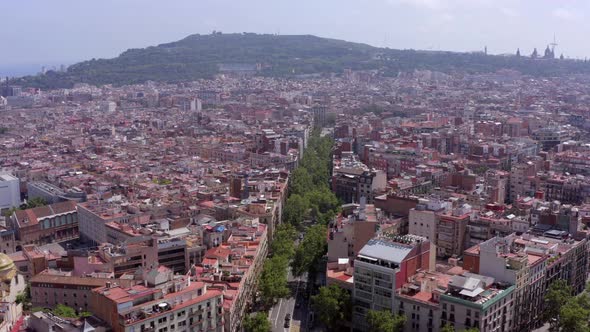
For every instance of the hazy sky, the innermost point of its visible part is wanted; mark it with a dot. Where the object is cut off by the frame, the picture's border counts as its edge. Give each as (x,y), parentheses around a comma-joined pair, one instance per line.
(55,31)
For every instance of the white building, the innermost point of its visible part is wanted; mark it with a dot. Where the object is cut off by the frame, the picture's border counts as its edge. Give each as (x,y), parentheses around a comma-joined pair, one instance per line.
(9,191)
(108,106)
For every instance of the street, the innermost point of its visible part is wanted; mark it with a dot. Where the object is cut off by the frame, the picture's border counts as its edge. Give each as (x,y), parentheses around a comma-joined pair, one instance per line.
(288,306)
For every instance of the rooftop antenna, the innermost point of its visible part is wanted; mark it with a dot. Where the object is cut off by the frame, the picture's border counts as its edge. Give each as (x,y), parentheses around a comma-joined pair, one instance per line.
(553,44)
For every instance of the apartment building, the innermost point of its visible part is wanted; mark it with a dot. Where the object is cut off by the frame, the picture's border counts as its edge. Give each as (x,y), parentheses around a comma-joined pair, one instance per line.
(51,287)
(93,215)
(418,301)
(352,230)
(451,231)
(423,220)
(352,180)
(382,266)
(530,263)
(519,179)
(477,301)
(175,304)
(506,261)
(234,267)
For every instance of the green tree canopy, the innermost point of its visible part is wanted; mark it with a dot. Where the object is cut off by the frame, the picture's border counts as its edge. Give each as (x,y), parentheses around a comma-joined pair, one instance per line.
(558,294)
(34,202)
(324,204)
(300,181)
(296,209)
(273,280)
(385,321)
(283,243)
(447,328)
(64,311)
(333,306)
(311,249)
(257,323)
(574,315)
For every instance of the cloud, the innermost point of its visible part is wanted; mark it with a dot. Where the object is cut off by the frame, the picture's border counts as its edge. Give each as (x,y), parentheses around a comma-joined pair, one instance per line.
(564,14)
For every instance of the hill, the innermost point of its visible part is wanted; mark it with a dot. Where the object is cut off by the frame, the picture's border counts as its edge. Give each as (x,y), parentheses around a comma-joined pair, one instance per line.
(200,56)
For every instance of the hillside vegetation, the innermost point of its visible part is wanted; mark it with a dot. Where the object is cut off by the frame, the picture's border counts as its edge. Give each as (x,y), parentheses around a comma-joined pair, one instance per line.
(199,56)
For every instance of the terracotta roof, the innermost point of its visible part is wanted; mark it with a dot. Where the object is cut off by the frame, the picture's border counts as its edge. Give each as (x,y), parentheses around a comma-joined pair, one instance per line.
(33,215)
(67,280)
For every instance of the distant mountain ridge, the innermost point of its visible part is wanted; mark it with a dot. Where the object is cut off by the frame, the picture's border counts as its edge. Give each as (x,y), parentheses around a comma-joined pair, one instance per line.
(202,56)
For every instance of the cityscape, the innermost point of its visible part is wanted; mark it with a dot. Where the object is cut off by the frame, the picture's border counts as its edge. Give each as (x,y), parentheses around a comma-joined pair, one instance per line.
(260,182)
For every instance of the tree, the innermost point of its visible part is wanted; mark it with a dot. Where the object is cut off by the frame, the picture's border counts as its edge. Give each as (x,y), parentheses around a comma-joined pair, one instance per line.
(574,315)
(324,204)
(558,294)
(64,311)
(301,181)
(385,321)
(283,243)
(447,328)
(257,323)
(332,306)
(35,202)
(311,249)
(273,280)
(24,297)
(32,203)
(295,209)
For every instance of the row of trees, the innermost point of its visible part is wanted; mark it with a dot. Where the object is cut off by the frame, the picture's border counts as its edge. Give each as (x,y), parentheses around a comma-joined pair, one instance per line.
(310,198)
(273,282)
(565,312)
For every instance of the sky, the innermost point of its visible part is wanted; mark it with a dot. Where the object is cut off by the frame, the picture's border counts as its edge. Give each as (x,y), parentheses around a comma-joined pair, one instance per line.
(41,32)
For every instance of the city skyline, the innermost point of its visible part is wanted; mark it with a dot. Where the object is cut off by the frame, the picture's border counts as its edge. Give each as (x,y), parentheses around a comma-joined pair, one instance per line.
(105,29)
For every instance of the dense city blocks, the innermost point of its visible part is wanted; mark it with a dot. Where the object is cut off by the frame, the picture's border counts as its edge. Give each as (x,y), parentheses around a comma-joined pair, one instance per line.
(294,183)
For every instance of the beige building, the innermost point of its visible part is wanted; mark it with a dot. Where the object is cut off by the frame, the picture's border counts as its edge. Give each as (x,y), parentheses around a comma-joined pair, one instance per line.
(423,222)
(176,305)
(50,289)
(476,301)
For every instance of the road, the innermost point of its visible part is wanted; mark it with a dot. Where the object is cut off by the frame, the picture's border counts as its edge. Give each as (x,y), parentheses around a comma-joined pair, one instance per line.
(284,306)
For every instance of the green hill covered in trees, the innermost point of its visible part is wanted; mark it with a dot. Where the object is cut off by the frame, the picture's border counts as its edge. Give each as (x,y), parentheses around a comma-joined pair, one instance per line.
(200,56)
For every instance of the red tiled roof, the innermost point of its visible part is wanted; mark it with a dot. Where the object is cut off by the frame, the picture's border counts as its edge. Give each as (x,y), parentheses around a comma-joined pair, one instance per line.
(33,215)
